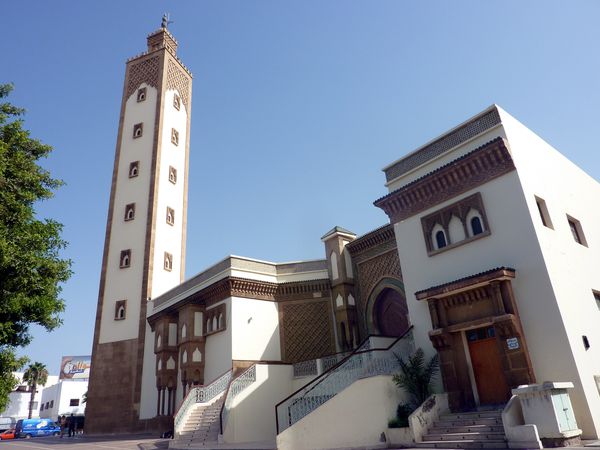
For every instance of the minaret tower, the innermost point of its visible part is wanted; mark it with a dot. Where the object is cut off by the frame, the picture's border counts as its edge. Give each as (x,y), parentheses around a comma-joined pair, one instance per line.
(144,248)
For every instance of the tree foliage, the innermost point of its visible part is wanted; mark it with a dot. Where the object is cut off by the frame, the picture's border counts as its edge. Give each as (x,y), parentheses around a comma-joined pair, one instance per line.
(36,374)
(31,269)
(416,376)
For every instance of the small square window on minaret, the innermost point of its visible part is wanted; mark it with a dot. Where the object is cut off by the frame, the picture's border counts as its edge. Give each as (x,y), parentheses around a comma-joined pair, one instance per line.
(130,211)
(170,216)
(176,102)
(141,94)
(168,261)
(125,260)
(120,310)
(134,169)
(174,136)
(172,174)
(138,129)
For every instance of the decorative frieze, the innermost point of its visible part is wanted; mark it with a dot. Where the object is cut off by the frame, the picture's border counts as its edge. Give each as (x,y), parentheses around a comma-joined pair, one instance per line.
(460,175)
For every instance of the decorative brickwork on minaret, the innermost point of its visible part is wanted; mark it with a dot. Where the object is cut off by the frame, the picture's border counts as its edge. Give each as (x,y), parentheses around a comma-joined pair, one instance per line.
(156,100)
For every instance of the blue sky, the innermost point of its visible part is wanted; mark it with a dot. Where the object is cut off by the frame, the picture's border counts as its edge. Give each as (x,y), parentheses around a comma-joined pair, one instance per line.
(296,108)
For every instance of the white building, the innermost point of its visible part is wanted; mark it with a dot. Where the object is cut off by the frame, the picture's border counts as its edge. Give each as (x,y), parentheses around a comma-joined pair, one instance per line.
(63,398)
(499,232)
(19,398)
(489,259)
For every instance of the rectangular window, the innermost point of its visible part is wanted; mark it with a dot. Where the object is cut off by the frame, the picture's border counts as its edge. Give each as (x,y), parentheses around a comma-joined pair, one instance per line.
(120,310)
(42,407)
(51,403)
(130,211)
(176,102)
(576,231)
(125,260)
(168,261)
(74,402)
(543,210)
(597,298)
(172,174)
(170,216)
(134,168)
(174,136)
(138,129)
(141,94)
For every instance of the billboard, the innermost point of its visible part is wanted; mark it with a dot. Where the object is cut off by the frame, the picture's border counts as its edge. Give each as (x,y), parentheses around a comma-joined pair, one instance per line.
(75,368)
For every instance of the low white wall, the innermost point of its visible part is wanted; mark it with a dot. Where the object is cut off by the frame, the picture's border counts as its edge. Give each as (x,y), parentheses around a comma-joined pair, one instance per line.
(517,433)
(252,417)
(355,417)
(423,417)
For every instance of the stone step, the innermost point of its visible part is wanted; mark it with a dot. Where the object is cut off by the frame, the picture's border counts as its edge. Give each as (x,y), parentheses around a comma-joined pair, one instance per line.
(467,429)
(468,422)
(497,436)
(462,444)
(472,415)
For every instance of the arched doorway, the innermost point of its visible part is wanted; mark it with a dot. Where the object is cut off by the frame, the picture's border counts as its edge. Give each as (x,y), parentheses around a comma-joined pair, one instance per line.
(387,311)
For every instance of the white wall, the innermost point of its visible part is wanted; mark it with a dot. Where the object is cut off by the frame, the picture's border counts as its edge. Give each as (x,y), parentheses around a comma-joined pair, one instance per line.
(127,283)
(62,393)
(217,351)
(255,330)
(252,418)
(355,417)
(149,392)
(18,406)
(574,269)
(169,238)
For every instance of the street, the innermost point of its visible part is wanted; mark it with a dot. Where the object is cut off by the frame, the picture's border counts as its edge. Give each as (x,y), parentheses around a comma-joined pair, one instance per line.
(132,442)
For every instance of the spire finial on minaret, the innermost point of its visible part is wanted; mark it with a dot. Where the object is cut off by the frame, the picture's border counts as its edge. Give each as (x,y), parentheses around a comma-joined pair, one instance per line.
(165,21)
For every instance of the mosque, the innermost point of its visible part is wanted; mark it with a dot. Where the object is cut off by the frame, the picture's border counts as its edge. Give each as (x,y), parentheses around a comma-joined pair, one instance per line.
(489,259)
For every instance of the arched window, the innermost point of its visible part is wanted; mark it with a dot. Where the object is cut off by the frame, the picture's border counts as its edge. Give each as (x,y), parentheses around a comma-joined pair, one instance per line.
(456,230)
(130,211)
(440,239)
(476,226)
(215,323)
(141,94)
(475,223)
(183,331)
(158,341)
(134,169)
(334,266)
(208,326)
(220,321)
(121,312)
(125,258)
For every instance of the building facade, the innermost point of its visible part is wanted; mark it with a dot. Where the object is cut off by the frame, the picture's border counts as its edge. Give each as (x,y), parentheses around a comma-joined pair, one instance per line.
(499,235)
(489,258)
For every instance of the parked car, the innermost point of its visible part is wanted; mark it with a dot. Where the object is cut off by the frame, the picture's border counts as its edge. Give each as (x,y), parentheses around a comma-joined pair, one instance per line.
(7,434)
(28,428)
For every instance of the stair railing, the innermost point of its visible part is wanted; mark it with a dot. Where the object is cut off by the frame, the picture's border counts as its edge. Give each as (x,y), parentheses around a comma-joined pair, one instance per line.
(359,364)
(201,394)
(241,382)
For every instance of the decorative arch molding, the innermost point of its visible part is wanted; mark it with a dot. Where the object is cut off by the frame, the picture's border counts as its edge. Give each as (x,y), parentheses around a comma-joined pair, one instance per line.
(384,283)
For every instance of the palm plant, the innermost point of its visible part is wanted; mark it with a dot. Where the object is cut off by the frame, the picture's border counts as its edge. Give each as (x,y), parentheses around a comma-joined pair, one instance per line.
(35,374)
(416,376)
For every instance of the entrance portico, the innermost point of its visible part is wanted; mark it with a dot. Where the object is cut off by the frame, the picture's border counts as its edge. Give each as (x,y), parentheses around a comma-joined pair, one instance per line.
(477,332)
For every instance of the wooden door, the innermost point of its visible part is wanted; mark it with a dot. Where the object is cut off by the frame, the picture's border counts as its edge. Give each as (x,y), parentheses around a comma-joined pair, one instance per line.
(489,376)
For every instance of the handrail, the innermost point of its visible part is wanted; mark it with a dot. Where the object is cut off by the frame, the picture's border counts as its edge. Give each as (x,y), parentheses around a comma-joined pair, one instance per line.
(241,382)
(359,364)
(201,394)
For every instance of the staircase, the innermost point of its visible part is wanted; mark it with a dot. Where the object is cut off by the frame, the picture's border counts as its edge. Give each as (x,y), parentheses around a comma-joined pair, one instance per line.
(480,429)
(202,427)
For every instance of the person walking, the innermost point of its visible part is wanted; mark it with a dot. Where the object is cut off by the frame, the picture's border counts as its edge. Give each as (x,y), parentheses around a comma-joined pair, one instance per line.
(63,424)
(71,425)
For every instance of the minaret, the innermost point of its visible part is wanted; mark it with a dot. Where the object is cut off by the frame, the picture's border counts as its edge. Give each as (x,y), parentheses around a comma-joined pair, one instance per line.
(144,248)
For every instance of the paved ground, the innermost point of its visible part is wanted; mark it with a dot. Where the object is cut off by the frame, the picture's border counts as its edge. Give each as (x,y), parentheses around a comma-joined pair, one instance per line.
(83,443)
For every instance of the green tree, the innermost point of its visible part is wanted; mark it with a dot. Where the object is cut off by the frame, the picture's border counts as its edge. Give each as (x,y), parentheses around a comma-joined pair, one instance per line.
(31,269)
(416,376)
(35,374)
